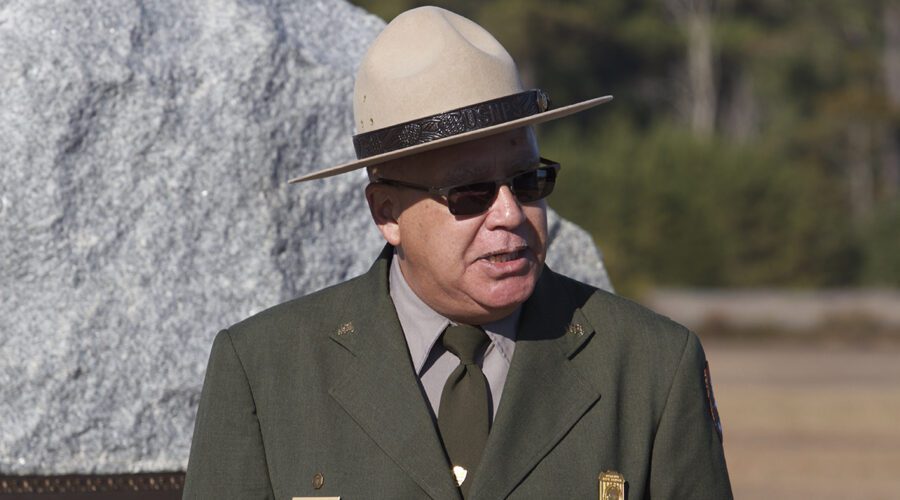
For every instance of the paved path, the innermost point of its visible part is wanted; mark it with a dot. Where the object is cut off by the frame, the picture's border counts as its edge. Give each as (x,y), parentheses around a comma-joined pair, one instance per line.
(817,422)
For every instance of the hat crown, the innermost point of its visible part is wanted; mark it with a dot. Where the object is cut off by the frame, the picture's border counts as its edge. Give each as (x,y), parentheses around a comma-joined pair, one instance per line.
(428,61)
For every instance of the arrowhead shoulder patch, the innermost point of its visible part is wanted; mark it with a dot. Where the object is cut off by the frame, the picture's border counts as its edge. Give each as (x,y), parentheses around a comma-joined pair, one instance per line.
(711,400)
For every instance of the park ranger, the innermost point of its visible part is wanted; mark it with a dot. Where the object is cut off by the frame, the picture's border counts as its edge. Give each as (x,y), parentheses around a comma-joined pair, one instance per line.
(459,365)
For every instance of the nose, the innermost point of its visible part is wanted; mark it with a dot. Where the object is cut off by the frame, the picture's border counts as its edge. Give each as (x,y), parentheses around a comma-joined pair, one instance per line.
(505,212)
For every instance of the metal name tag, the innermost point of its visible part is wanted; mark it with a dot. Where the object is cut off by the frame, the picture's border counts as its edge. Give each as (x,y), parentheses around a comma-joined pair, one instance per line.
(612,485)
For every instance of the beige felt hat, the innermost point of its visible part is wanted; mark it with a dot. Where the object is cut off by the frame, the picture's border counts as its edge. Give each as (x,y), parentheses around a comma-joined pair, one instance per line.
(433,78)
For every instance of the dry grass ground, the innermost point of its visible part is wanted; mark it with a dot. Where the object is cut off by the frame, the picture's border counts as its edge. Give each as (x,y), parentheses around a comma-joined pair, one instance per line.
(809,421)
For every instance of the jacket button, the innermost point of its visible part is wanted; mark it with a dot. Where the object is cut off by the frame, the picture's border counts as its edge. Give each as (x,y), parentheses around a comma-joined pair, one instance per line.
(318,481)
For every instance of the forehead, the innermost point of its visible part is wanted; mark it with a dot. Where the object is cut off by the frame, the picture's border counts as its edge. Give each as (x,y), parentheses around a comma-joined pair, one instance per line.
(485,158)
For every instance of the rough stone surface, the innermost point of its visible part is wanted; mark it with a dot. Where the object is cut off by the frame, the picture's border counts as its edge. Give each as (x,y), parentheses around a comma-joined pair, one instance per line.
(144,149)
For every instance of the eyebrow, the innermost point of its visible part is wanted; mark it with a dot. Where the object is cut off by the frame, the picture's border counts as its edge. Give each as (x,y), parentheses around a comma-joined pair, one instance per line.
(463,174)
(469,173)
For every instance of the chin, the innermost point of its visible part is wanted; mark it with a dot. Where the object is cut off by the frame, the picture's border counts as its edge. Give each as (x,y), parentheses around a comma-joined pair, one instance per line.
(508,294)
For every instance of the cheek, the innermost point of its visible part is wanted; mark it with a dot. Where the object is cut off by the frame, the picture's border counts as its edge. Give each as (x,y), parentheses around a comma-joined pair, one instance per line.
(436,237)
(537,226)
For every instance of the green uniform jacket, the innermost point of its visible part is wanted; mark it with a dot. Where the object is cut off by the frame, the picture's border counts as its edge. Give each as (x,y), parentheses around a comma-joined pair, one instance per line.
(320,391)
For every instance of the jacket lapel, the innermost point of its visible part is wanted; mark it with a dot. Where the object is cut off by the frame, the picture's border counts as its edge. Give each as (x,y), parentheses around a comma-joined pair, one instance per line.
(545,394)
(380,390)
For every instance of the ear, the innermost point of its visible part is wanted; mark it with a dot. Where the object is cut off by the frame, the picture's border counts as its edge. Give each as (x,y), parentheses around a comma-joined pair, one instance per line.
(384,205)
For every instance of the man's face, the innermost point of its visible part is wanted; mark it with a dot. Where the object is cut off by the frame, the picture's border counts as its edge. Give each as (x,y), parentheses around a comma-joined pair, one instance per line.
(472,269)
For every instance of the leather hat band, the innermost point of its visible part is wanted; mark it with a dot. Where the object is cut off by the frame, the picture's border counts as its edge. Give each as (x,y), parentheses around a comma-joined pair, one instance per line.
(450,123)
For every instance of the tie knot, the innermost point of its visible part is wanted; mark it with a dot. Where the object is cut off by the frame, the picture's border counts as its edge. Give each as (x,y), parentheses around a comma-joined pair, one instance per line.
(464,341)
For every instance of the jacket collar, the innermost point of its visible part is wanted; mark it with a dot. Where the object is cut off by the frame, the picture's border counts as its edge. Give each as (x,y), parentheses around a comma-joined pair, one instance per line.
(544,396)
(546,392)
(380,390)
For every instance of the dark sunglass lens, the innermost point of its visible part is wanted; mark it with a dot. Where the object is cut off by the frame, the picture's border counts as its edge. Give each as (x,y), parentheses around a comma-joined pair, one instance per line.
(534,185)
(471,199)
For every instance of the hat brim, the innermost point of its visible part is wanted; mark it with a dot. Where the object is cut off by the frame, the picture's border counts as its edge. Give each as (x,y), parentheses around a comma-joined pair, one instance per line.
(456,139)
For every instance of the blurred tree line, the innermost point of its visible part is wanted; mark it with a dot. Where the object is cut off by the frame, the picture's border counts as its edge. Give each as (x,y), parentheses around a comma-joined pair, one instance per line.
(751,142)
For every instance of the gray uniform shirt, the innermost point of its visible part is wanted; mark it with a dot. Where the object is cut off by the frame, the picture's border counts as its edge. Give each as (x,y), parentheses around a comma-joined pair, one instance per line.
(423,326)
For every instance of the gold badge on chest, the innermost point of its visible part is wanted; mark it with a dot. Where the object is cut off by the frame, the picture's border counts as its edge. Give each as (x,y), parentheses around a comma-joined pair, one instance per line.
(612,485)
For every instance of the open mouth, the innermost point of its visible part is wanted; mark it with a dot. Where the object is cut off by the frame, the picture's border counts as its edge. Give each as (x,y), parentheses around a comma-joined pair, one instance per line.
(504,256)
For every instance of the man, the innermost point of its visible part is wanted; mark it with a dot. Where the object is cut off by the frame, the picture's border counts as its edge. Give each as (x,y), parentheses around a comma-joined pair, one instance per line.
(459,365)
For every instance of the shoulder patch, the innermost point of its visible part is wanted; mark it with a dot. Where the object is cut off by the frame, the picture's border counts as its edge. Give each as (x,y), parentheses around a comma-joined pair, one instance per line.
(711,400)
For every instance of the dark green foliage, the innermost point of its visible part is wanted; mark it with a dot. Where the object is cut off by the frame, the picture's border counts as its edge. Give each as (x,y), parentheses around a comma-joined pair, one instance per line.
(668,208)
(881,247)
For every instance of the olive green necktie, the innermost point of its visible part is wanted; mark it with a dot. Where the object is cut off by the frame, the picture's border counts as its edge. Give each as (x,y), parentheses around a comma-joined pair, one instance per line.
(463,416)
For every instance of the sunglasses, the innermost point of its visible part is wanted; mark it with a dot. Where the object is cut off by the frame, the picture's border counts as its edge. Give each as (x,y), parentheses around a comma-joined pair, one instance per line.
(528,186)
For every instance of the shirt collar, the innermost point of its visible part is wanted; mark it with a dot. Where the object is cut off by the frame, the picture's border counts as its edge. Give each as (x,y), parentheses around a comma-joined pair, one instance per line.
(423,326)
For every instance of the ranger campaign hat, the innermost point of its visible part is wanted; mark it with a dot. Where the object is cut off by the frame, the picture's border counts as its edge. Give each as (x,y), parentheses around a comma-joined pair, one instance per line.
(431,79)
